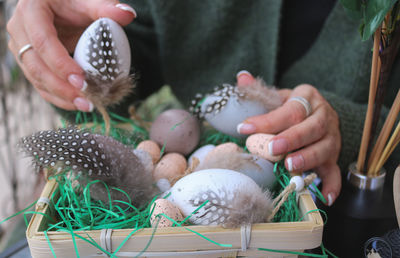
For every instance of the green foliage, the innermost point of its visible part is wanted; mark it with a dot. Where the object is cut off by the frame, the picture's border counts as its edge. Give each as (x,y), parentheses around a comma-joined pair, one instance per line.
(370,12)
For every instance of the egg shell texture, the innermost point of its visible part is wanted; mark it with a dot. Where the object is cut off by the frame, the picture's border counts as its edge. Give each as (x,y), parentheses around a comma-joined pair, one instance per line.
(233,113)
(177,130)
(170,167)
(152,148)
(163,206)
(93,48)
(229,198)
(257,144)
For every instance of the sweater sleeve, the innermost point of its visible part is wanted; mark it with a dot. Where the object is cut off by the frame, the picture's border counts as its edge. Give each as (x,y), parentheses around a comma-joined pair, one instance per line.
(142,37)
(351,121)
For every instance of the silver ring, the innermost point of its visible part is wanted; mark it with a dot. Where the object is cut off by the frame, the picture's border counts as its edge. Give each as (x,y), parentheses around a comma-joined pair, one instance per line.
(23,50)
(304,102)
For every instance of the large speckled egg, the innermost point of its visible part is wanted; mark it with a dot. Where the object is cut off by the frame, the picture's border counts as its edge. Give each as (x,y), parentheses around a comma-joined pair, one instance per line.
(226,197)
(171,166)
(177,130)
(258,144)
(163,206)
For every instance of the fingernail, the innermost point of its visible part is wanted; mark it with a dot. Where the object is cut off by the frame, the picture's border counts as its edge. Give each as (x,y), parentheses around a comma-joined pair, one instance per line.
(295,163)
(244,128)
(127,8)
(83,104)
(331,198)
(77,81)
(277,147)
(243,72)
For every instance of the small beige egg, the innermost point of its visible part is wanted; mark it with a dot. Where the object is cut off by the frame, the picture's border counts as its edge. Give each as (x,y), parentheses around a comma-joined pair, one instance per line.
(224,148)
(152,148)
(171,166)
(163,206)
(257,144)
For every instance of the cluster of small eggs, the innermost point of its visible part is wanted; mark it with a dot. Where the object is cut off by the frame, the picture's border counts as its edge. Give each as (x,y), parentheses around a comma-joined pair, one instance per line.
(177,133)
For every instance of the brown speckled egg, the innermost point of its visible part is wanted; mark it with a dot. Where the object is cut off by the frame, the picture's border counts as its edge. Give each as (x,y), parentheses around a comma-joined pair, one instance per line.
(152,148)
(168,208)
(258,144)
(177,129)
(170,166)
(226,148)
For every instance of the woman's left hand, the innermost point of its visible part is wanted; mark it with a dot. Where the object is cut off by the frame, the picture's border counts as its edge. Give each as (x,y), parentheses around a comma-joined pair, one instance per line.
(312,140)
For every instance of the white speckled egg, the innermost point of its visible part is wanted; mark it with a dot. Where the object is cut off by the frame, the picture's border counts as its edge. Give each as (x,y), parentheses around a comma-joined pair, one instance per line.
(229,106)
(234,112)
(163,206)
(177,130)
(171,166)
(257,144)
(200,153)
(230,198)
(109,33)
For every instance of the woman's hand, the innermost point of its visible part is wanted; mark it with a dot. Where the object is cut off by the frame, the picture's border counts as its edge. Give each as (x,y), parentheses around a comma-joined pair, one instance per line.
(313,141)
(53,28)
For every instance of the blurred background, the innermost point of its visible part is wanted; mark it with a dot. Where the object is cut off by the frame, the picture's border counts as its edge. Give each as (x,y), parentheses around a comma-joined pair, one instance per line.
(22,112)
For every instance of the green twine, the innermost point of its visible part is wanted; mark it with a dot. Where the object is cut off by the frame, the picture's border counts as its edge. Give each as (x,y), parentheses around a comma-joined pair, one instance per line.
(18,213)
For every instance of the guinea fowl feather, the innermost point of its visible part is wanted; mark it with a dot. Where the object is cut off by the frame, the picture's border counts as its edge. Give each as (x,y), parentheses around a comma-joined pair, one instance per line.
(95,157)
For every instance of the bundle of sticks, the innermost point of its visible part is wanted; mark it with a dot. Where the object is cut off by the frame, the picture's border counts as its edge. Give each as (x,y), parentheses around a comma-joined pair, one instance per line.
(386,46)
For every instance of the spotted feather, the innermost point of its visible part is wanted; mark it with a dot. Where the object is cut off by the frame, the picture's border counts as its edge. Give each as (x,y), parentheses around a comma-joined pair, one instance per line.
(95,156)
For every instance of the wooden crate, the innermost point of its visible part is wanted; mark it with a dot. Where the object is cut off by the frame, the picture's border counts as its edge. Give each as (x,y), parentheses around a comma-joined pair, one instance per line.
(179,242)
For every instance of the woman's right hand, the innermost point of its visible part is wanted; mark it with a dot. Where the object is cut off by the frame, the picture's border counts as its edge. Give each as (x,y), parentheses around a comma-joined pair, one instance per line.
(53,28)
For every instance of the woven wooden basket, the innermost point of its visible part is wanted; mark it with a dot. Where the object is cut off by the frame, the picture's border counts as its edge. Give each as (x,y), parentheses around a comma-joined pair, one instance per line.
(179,242)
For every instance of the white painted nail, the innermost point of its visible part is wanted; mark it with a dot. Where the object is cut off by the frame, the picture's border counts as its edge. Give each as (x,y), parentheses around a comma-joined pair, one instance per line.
(330,199)
(127,8)
(243,72)
(85,85)
(290,164)
(270,148)
(91,107)
(244,128)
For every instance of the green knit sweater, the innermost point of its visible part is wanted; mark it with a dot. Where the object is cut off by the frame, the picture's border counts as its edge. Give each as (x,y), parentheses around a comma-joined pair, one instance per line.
(195,45)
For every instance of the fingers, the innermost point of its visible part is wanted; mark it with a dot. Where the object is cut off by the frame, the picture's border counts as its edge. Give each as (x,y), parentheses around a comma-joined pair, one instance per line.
(47,26)
(121,13)
(331,181)
(323,152)
(299,134)
(244,78)
(289,114)
(41,33)
(49,86)
(313,155)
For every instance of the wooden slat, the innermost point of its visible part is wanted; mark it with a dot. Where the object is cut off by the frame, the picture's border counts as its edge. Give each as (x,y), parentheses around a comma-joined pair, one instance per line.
(302,235)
